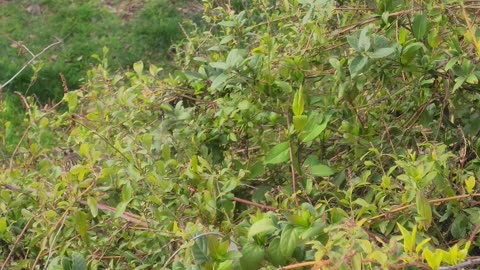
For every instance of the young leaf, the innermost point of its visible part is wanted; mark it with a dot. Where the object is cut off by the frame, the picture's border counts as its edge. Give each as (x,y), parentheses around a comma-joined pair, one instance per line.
(433,259)
(278,154)
(315,131)
(424,210)
(470,184)
(298,103)
(138,67)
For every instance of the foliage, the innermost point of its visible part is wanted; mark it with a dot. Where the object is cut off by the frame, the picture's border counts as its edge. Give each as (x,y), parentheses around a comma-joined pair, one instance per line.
(296,134)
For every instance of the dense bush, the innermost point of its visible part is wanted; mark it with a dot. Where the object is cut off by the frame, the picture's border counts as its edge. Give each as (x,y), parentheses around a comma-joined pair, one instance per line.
(294,134)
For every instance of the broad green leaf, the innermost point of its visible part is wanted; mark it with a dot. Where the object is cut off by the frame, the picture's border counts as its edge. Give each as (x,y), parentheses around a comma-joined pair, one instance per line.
(78,262)
(315,131)
(419,26)
(364,40)
(92,204)
(81,223)
(286,88)
(299,122)
(235,57)
(72,100)
(219,82)
(219,65)
(127,192)
(470,184)
(358,65)
(138,67)
(200,250)
(381,53)
(278,154)
(321,170)
(252,256)
(298,104)
(244,105)
(120,209)
(288,241)
(409,52)
(274,254)
(264,225)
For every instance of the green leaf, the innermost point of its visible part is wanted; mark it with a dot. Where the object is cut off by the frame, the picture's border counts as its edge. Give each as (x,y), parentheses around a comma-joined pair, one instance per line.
(138,67)
(81,224)
(288,241)
(469,184)
(78,262)
(284,86)
(127,192)
(200,250)
(424,210)
(299,122)
(274,254)
(252,256)
(219,82)
(358,65)
(72,101)
(298,103)
(364,40)
(315,131)
(3,224)
(235,57)
(321,170)
(120,209)
(419,26)
(92,204)
(264,225)
(381,53)
(278,154)
(433,259)
(409,52)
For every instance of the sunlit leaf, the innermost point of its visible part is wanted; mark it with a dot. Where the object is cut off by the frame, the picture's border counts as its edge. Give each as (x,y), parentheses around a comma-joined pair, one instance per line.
(278,154)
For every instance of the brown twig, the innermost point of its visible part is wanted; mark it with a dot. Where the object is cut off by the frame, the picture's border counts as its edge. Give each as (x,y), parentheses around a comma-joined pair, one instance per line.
(261,206)
(313,264)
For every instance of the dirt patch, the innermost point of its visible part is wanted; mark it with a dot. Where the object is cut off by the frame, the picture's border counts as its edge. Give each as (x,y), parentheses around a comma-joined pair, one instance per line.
(125,9)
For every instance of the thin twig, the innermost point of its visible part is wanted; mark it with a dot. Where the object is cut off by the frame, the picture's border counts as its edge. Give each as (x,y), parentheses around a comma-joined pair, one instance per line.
(30,62)
(262,206)
(434,201)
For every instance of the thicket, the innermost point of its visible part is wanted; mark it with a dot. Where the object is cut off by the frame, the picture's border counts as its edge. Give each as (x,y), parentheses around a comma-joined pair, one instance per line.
(300,133)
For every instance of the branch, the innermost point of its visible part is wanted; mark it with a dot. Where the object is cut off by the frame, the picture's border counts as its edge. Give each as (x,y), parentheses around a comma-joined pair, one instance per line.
(30,62)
